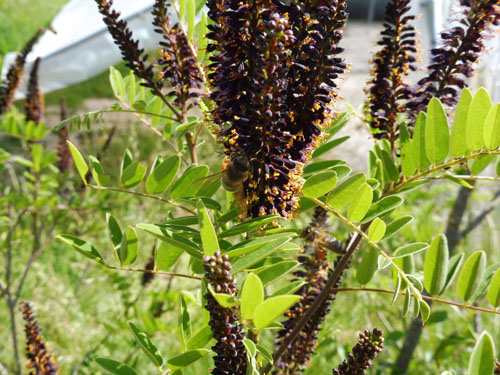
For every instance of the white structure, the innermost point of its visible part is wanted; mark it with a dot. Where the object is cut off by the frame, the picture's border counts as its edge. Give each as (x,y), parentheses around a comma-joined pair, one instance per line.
(82,47)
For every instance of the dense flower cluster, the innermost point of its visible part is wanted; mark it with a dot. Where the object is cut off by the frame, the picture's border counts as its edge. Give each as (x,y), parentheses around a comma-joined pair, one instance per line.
(64,158)
(147,277)
(33,104)
(370,344)
(454,60)
(13,79)
(132,54)
(315,271)
(227,331)
(40,360)
(177,61)
(272,72)
(388,90)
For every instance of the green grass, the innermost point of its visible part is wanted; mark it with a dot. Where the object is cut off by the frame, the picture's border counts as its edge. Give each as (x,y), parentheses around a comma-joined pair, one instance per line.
(19,20)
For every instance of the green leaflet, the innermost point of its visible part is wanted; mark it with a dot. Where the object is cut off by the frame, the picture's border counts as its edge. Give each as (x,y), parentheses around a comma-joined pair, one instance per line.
(419,141)
(115,367)
(162,175)
(272,308)
(458,142)
(361,203)
(492,128)
(436,265)
(471,275)
(437,136)
(478,111)
(252,295)
(408,163)
(207,231)
(80,163)
(344,192)
(377,230)
(319,184)
(482,360)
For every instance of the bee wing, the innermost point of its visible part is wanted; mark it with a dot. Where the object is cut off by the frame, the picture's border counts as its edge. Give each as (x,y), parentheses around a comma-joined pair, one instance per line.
(207,183)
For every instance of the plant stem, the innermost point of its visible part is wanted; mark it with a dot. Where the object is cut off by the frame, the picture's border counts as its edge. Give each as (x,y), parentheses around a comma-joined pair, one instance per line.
(157,272)
(427,298)
(171,202)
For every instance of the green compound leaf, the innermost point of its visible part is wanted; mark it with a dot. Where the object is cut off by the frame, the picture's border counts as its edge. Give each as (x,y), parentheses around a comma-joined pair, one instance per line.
(367,267)
(187,185)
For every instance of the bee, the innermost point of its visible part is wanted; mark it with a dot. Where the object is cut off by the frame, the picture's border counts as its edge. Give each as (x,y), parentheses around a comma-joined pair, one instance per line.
(322,241)
(236,169)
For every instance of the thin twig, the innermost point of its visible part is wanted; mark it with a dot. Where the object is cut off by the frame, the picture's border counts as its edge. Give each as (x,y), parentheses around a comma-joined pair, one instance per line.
(427,298)
(168,201)
(436,168)
(156,272)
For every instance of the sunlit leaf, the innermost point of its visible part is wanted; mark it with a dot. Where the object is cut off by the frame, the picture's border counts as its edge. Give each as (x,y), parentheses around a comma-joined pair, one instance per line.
(250,259)
(494,290)
(344,192)
(115,367)
(436,265)
(397,224)
(129,247)
(419,143)
(185,359)
(360,203)
(410,249)
(252,294)
(482,360)
(319,184)
(382,207)
(408,162)
(272,308)
(458,143)
(81,246)
(471,275)
(207,231)
(146,345)
(492,128)
(478,111)
(187,185)
(162,175)
(377,230)
(80,163)
(368,266)
(437,134)
(133,175)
